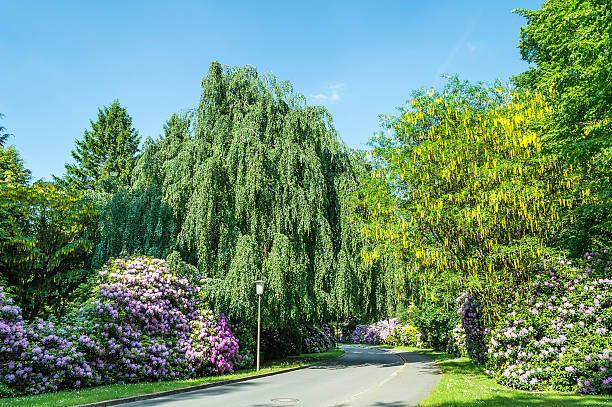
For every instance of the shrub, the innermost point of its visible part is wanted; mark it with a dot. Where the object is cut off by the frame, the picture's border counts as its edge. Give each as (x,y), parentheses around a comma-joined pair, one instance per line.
(386,331)
(558,337)
(347,329)
(280,343)
(435,325)
(405,335)
(142,323)
(247,347)
(456,344)
(317,339)
(358,335)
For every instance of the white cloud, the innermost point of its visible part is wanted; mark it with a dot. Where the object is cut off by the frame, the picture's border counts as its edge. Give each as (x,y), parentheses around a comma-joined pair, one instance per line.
(332,93)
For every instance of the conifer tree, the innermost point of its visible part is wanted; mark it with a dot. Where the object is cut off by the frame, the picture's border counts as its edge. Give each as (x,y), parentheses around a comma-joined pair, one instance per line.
(106,154)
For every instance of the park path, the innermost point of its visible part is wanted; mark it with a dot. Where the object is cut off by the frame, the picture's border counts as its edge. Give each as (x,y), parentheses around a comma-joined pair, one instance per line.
(364,376)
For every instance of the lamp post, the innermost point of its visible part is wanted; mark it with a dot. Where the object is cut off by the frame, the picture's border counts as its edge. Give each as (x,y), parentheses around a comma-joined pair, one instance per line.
(259,287)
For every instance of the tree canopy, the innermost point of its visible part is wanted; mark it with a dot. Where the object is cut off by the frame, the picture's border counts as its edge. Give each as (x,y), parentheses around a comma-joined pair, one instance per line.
(467,188)
(570,44)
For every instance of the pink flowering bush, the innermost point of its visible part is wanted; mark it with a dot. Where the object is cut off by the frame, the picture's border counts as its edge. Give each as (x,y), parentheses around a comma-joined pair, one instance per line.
(141,324)
(456,344)
(559,337)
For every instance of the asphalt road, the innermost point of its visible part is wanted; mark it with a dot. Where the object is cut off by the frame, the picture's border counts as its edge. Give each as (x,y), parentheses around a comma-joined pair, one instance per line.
(364,376)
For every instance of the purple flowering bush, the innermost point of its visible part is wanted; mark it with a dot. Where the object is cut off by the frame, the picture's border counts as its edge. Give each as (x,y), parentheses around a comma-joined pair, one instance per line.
(456,344)
(470,336)
(559,338)
(316,338)
(359,333)
(142,323)
(213,344)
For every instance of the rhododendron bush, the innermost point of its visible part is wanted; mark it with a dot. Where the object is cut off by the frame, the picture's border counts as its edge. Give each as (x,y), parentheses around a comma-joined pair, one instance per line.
(559,337)
(142,323)
(316,338)
(386,331)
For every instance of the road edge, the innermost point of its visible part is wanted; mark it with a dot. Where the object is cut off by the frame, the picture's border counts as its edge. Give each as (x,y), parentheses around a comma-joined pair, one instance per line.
(149,396)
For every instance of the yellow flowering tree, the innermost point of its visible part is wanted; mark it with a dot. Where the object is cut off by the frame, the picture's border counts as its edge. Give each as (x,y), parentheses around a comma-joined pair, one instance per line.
(464,187)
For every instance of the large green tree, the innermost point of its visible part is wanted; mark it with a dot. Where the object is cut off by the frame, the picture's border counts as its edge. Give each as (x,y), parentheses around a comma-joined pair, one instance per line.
(258,186)
(569,43)
(45,246)
(12,169)
(104,158)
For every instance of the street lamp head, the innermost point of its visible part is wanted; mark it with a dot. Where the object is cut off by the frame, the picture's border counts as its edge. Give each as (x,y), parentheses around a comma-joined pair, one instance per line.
(259,286)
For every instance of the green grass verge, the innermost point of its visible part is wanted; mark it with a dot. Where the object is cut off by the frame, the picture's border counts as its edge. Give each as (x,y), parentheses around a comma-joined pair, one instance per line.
(464,384)
(115,391)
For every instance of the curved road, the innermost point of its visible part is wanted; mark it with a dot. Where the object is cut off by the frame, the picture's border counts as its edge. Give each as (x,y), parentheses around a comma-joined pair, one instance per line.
(364,376)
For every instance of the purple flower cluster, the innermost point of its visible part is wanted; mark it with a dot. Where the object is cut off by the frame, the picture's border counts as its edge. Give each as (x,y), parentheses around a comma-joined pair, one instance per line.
(316,338)
(142,323)
(473,328)
(558,338)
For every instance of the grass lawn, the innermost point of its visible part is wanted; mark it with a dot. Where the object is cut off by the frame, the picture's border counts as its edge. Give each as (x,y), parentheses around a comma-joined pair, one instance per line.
(464,384)
(114,391)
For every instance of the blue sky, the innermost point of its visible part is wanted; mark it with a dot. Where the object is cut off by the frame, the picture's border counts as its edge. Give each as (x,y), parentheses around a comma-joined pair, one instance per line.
(63,60)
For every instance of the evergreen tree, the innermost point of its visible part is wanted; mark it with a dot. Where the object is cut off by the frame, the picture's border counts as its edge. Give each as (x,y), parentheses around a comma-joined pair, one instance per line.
(106,154)
(3,134)
(12,169)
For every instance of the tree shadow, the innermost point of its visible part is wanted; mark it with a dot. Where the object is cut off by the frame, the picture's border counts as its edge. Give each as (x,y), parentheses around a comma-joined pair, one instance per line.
(194,394)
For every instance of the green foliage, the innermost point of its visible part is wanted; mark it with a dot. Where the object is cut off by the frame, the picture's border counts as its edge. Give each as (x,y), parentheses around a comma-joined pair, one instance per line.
(570,44)
(258,186)
(407,314)
(435,323)
(135,221)
(46,245)
(406,335)
(3,134)
(106,154)
(11,167)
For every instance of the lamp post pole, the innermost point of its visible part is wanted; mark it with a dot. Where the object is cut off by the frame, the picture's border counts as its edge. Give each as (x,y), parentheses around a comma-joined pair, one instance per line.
(259,284)
(258,327)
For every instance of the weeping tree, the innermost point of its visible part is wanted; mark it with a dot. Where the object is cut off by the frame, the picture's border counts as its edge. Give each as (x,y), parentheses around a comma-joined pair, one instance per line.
(252,184)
